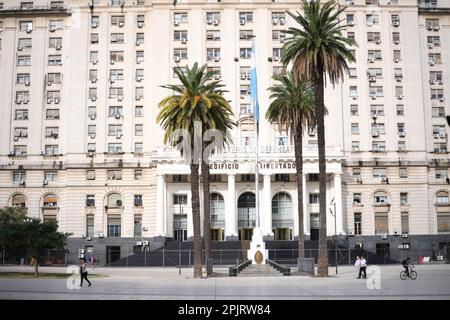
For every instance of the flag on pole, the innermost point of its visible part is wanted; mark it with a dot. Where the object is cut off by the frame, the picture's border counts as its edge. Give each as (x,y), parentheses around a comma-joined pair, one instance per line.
(254,84)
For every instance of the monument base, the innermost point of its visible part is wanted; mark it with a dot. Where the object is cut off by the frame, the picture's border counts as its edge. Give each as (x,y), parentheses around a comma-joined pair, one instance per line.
(257,252)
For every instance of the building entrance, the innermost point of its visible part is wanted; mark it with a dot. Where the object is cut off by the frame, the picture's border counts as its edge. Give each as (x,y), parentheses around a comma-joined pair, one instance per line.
(246,216)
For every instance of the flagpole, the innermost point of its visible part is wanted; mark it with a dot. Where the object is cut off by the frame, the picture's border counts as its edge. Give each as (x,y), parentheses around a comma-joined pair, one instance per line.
(257,176)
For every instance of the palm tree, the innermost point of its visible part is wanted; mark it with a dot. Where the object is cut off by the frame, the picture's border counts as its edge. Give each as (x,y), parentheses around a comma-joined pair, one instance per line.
(195,106)
(293,109)
(315,49)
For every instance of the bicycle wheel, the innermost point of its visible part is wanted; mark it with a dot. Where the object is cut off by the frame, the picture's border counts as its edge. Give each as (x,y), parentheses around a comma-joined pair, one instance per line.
(403,275)
(413,275)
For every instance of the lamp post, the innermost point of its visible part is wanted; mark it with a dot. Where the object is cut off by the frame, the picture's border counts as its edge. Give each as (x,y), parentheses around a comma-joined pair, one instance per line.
(180,234)
(333,213)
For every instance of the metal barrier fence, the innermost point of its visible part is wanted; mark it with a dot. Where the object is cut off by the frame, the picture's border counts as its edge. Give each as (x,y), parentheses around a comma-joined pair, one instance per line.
(49,257)
(185,258)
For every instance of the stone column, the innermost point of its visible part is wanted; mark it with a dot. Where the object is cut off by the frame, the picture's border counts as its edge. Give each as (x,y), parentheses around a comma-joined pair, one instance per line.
(231,230)
(160,205)
(266,219)
(338,201)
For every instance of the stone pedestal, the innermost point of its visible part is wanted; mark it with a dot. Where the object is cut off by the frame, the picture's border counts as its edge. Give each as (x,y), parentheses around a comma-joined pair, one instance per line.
(257,252)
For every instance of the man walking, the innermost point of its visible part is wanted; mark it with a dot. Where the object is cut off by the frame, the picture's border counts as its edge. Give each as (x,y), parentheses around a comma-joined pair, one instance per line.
(362,270)
(358,266)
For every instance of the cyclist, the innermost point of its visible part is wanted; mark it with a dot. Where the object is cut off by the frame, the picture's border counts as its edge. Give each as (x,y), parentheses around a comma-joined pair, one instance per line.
(407,264)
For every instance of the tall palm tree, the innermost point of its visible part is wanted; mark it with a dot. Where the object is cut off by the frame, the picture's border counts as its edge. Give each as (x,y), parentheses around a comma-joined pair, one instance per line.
(292,109)
(197,104)
(317,48)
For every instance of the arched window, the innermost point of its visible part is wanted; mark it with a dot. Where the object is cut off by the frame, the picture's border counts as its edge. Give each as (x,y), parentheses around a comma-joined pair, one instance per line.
(380,197)
(443,212)
(282,220)
(442,198)
(50,200)
(217,210)
(49,208)
(114,200)
(18,200)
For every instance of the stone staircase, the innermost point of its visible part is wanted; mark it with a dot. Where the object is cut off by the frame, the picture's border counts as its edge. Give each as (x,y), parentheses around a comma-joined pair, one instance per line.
(259,270)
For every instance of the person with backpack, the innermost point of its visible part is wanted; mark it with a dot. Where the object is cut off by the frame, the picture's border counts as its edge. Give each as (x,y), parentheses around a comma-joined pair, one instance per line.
(83,272)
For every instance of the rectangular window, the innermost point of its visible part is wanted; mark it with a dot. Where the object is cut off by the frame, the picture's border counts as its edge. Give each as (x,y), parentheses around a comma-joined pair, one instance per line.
(116,56)
(90,225)
(357,223)
(114,174)
(21,114)
(114,147)
(245,53)
(180,17)
(138,174)
(138,111)
(117,38)
(114,226)
(137,226)
(356,198)
(24,43)
(381,223)
(443,222)
(403,198)
(118,21)
(180,54)
(313,198)
(379,172)
(90,174)
(355,128)
(355,146)
(19,177)
(52,114)
(403,172)
(213,35)
(405,222)
(377,110)
(138,200)
(24,60)
(54,60)
(139,130)
(180,35)
(245,17)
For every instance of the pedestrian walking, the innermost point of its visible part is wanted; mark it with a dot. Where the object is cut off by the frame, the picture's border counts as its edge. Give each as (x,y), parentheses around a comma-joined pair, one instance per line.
(358,266)
(92,261)
(363,264)
(83,272)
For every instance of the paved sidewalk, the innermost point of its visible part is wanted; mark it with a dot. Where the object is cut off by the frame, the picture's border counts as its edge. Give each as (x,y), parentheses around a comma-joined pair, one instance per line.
(165,283)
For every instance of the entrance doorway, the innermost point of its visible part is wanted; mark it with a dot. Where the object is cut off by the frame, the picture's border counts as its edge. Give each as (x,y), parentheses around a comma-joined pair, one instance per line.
(246,215)
(179,227)
(246,234)
(314,222)
(282,233)
(217,234)
(112,254)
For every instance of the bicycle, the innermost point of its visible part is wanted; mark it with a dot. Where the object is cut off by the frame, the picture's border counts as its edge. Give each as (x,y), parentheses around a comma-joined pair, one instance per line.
(412,274)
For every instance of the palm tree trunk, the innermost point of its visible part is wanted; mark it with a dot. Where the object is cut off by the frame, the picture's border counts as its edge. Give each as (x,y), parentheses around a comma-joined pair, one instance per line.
(322,269)
(36,269)
(206,214)
(298,146)
(195,202)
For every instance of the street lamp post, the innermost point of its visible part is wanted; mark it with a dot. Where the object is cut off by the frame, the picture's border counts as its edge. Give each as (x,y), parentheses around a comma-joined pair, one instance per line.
(333,213)
(180,234)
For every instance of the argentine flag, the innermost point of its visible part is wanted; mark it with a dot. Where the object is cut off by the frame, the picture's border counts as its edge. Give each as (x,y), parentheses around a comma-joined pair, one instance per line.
(254,85)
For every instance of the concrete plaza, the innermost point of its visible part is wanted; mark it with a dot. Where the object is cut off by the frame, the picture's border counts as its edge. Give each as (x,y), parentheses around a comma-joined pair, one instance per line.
(433,282)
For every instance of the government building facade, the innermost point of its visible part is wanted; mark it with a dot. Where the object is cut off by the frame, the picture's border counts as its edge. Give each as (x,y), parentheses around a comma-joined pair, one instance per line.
(79,92)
